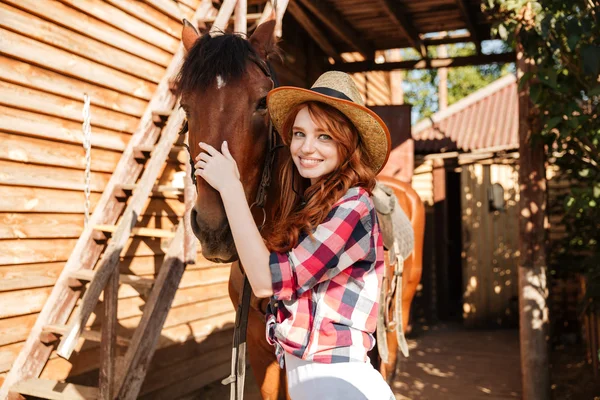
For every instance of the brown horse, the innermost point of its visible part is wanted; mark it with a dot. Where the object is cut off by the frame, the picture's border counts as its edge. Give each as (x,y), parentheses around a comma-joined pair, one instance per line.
(223,85)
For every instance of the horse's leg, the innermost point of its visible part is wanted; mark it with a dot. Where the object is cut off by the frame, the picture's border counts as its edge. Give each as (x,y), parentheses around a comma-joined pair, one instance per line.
(269,377)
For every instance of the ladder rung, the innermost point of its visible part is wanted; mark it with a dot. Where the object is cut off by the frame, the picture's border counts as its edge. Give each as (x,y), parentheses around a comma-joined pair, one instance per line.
(158,190)
(49,333)
(160,116)
(249,17)
(55,390)
(143,152)
(87,275)
(148,232)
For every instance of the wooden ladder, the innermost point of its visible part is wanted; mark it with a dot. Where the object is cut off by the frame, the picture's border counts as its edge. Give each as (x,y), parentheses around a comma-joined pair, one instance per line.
(94,265)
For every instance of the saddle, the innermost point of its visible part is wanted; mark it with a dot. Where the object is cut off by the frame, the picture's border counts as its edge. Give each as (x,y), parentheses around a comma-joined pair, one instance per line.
(399,239)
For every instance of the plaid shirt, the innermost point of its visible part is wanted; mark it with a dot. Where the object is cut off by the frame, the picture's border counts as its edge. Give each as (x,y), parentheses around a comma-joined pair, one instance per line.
(326,290)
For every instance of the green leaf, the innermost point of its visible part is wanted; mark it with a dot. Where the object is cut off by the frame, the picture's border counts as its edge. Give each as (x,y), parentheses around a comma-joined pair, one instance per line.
(572,42)
(535,92)
(584,172)
(590,56)
(597,190)
(595,91)
(502,32)
(552,122)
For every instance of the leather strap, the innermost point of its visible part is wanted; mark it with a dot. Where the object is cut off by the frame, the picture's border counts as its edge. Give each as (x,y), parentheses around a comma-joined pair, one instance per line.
(238,351)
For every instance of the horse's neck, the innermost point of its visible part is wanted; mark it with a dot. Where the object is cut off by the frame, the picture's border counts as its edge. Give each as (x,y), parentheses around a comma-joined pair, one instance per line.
(275,193)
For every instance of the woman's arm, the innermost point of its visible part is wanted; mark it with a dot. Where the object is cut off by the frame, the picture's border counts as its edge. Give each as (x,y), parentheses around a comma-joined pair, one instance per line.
(251,249)
(220,171)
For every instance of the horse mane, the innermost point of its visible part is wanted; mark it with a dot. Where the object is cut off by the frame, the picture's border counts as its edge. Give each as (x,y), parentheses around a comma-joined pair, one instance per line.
(225,55)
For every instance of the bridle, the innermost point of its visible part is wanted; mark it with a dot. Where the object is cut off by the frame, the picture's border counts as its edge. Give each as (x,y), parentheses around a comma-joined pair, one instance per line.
(267,173)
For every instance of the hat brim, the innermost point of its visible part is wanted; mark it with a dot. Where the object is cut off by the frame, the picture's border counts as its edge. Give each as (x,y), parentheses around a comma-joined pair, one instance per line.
(373,131)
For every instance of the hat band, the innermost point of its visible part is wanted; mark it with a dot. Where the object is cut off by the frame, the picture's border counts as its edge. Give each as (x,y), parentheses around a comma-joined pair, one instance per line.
(331,93)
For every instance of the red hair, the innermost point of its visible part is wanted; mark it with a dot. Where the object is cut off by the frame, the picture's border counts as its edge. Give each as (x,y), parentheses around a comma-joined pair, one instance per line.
(293,218)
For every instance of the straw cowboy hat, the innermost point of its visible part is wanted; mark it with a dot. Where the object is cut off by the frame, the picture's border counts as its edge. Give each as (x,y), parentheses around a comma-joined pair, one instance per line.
(338,90)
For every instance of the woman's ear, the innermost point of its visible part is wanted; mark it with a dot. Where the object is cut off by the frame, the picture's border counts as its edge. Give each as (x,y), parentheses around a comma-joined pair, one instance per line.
(263,38)
(189,35)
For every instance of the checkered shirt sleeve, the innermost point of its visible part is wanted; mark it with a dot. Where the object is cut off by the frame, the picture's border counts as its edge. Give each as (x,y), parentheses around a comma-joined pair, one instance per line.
(341,240)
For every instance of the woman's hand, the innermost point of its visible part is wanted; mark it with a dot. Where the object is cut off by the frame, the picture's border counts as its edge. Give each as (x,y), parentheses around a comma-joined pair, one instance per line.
(219,170)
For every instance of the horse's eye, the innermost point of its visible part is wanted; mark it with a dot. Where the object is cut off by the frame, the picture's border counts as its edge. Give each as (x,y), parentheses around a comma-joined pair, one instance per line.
(262,104)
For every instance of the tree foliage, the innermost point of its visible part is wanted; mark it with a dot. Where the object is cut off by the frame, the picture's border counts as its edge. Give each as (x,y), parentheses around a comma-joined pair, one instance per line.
(421,86)
(562,37)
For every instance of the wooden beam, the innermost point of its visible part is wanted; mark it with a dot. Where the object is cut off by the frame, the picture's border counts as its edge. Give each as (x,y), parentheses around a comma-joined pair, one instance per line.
(398,14)
(54,390)
(469,17)
(225,13)
(240,24)
(315,33)
(139,354)
(365,66)
(336,23)
(448,39)
(108,357)
(268,10)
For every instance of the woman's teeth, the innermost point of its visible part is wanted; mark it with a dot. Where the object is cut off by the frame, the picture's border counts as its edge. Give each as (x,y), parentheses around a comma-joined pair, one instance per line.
(309,162)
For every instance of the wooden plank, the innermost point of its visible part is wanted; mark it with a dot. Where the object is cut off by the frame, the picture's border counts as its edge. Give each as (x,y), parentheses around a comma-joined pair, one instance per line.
(55,390)
(28,276)
(23,302)
(108,377)
(336,23)
(24,251)
(225,13)
(398,14)
(315,33)
(139,354)
(177,377)
(34,226)
(8,354)
(240,19)
(433,63)
(33,100)
(38,151)
(29,75)
(166,7)
(150,15)
(25,199)
(57,129)
(49,33)
(80,22)
(15,329)
(127,23)
(149,232)
(61,61)
(14,173)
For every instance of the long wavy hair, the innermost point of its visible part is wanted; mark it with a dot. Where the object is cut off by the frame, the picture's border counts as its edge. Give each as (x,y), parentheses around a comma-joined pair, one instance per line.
(308,205)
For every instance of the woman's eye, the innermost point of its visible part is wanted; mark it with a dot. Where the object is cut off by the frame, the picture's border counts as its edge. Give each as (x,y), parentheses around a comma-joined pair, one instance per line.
(298,134)
(325,137)
(262,104)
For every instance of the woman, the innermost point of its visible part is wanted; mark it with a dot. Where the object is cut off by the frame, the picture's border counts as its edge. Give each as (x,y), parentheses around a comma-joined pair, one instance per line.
(323,267)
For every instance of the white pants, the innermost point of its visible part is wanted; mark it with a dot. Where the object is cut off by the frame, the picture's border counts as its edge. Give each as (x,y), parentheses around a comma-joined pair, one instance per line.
(308,380)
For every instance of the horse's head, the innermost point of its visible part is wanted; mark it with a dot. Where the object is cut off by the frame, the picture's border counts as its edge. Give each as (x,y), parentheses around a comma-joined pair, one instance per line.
(223,83)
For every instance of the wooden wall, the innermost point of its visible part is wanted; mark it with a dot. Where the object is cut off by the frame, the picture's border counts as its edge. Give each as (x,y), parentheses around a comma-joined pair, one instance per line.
(116,51)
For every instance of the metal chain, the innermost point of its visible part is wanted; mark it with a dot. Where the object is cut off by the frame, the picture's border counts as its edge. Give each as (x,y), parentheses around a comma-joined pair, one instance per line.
(87,145)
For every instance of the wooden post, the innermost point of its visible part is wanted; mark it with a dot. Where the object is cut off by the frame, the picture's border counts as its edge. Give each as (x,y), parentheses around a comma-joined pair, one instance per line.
(443,80)
(533,289)
(240,24)
(109,338)
(440,215)
(396,78)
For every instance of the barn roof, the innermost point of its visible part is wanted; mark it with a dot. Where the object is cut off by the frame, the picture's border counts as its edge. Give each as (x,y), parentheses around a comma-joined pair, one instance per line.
(485,119)
(366,26)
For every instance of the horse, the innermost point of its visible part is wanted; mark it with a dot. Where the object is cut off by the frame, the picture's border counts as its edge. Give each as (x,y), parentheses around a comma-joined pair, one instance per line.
(413,207)
(223,85)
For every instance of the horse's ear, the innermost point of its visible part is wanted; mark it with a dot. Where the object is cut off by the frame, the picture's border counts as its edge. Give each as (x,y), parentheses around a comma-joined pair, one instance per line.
(189,35)
(263,38)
